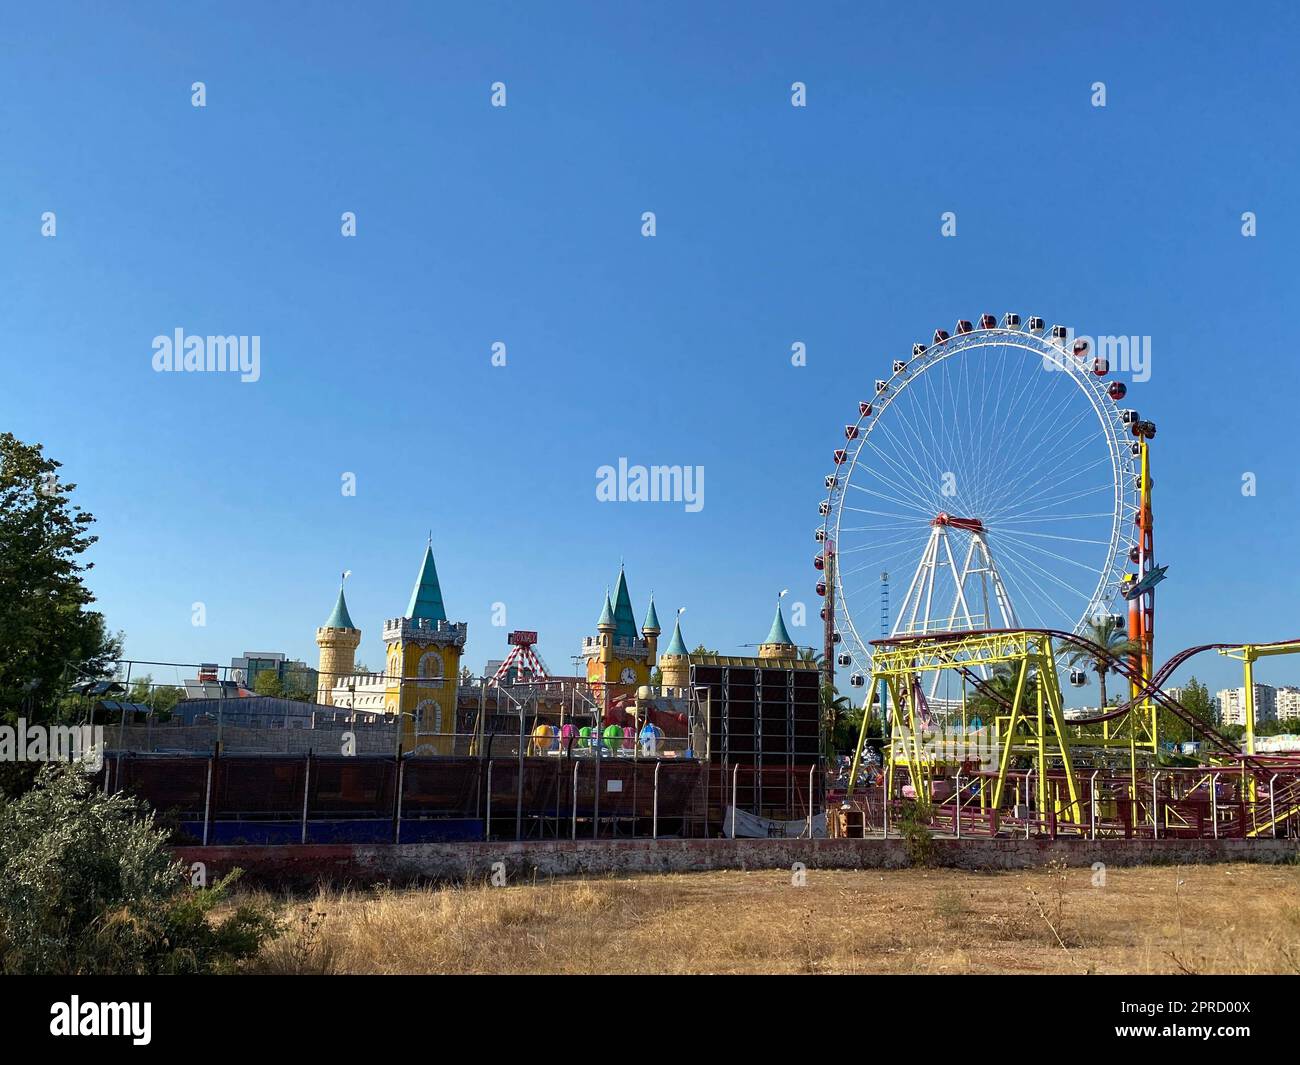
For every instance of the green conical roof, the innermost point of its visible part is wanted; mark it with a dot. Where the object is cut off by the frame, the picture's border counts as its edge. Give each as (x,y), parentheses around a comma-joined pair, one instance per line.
(624,619)
(606,615)
(676,646)
(651,623)
(778,633)
(426,597)
(340,619)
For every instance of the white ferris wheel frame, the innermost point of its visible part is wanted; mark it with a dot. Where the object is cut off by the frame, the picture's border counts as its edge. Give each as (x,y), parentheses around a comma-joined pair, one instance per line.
(1124,474)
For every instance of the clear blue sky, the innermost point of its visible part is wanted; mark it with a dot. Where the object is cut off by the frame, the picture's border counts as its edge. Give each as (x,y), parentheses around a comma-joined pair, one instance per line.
(478,224)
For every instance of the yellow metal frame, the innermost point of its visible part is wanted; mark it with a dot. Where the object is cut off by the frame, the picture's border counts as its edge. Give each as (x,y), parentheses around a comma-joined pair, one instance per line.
(1032,727)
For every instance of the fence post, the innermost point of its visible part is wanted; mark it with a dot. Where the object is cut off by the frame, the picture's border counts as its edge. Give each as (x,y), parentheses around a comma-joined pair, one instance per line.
(1040,792)
(306,791)
(957,816)
(735,784)
(207,802)
(1272,806)
(1214,804)
(401,780)
(654,828)
(487,825)
(575,793)
(811,770)
(595,801)
(1155,806)
(1092,794)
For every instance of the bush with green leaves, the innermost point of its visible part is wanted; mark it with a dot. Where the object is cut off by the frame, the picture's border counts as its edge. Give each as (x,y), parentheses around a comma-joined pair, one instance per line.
(914,827)
(88,886)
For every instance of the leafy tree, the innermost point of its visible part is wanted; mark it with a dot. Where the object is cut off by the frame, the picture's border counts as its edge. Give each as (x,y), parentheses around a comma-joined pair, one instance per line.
(88,887)
(160,697)
(702,650)
(1109,634)
(268,682)
(1197,700)
(48,637)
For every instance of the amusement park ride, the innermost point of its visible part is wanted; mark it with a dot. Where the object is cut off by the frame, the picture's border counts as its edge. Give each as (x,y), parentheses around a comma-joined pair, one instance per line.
(1002,446)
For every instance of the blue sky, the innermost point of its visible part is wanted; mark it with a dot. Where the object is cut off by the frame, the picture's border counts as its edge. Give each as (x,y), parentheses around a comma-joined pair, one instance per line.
(477,224)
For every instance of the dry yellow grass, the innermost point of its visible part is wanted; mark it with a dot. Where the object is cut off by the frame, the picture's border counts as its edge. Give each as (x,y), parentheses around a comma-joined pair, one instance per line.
(1207,919)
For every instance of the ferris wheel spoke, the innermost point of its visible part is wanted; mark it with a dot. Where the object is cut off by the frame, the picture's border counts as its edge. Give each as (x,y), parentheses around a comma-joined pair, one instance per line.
(1040,569)
(1049,475)
(1030,604)
(1026,545)
(1036,491)
(896,497)
(1024,515)
(913,496)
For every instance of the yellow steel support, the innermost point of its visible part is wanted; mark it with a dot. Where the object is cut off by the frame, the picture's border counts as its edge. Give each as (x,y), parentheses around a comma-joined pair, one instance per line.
(1036,730)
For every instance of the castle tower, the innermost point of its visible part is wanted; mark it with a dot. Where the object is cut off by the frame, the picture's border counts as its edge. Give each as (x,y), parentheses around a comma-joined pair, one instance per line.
(617,656)
(675,662)
(778,643)
(338,640)
(650,630)
(422,660)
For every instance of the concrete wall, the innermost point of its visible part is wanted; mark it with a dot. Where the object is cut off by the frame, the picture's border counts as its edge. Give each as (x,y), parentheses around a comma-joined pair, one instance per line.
(474,861)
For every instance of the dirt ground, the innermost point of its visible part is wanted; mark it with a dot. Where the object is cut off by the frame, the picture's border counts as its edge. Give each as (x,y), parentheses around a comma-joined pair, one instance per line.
(1191,919)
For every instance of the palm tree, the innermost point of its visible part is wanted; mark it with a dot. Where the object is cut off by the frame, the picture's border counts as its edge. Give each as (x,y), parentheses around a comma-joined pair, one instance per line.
(834,707)
(1106,633)
(997,692)
(807,654)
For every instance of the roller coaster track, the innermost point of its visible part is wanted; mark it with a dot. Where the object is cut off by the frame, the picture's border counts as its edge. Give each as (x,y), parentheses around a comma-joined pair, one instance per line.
(1116,664)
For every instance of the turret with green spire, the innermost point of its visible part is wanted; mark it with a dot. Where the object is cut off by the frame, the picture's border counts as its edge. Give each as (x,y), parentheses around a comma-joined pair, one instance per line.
(606,621)
(778,643)
(624,619)
(340,618)
(675,662)
(426,596)
(338,640)
(650,630)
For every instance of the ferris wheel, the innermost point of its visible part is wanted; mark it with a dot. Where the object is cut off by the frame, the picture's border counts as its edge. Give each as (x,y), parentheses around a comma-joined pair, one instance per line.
(990,480)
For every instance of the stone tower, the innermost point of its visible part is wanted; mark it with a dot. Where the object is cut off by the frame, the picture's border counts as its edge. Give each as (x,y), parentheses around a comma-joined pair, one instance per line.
(778,643)
(422,661)
(337,639)
(675,662)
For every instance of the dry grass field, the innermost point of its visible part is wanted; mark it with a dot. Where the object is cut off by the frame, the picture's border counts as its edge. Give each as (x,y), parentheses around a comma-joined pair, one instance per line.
(1193,919)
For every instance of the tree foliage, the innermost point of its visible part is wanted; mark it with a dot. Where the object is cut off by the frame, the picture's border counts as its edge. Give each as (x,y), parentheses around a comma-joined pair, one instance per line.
(87,886)
(48,636)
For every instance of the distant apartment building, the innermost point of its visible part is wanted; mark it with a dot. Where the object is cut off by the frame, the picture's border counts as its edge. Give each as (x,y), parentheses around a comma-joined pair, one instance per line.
(1232,705)
(294,675)
(1288,703)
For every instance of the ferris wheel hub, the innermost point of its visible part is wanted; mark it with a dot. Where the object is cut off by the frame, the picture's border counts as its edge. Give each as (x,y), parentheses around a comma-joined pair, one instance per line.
(969,524)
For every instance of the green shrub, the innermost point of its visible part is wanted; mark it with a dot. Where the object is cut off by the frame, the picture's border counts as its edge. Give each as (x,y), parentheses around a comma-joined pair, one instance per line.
(914,827)
(87,886)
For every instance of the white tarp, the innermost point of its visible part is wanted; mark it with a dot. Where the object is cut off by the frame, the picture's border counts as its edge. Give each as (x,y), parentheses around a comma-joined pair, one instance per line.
(750,826)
